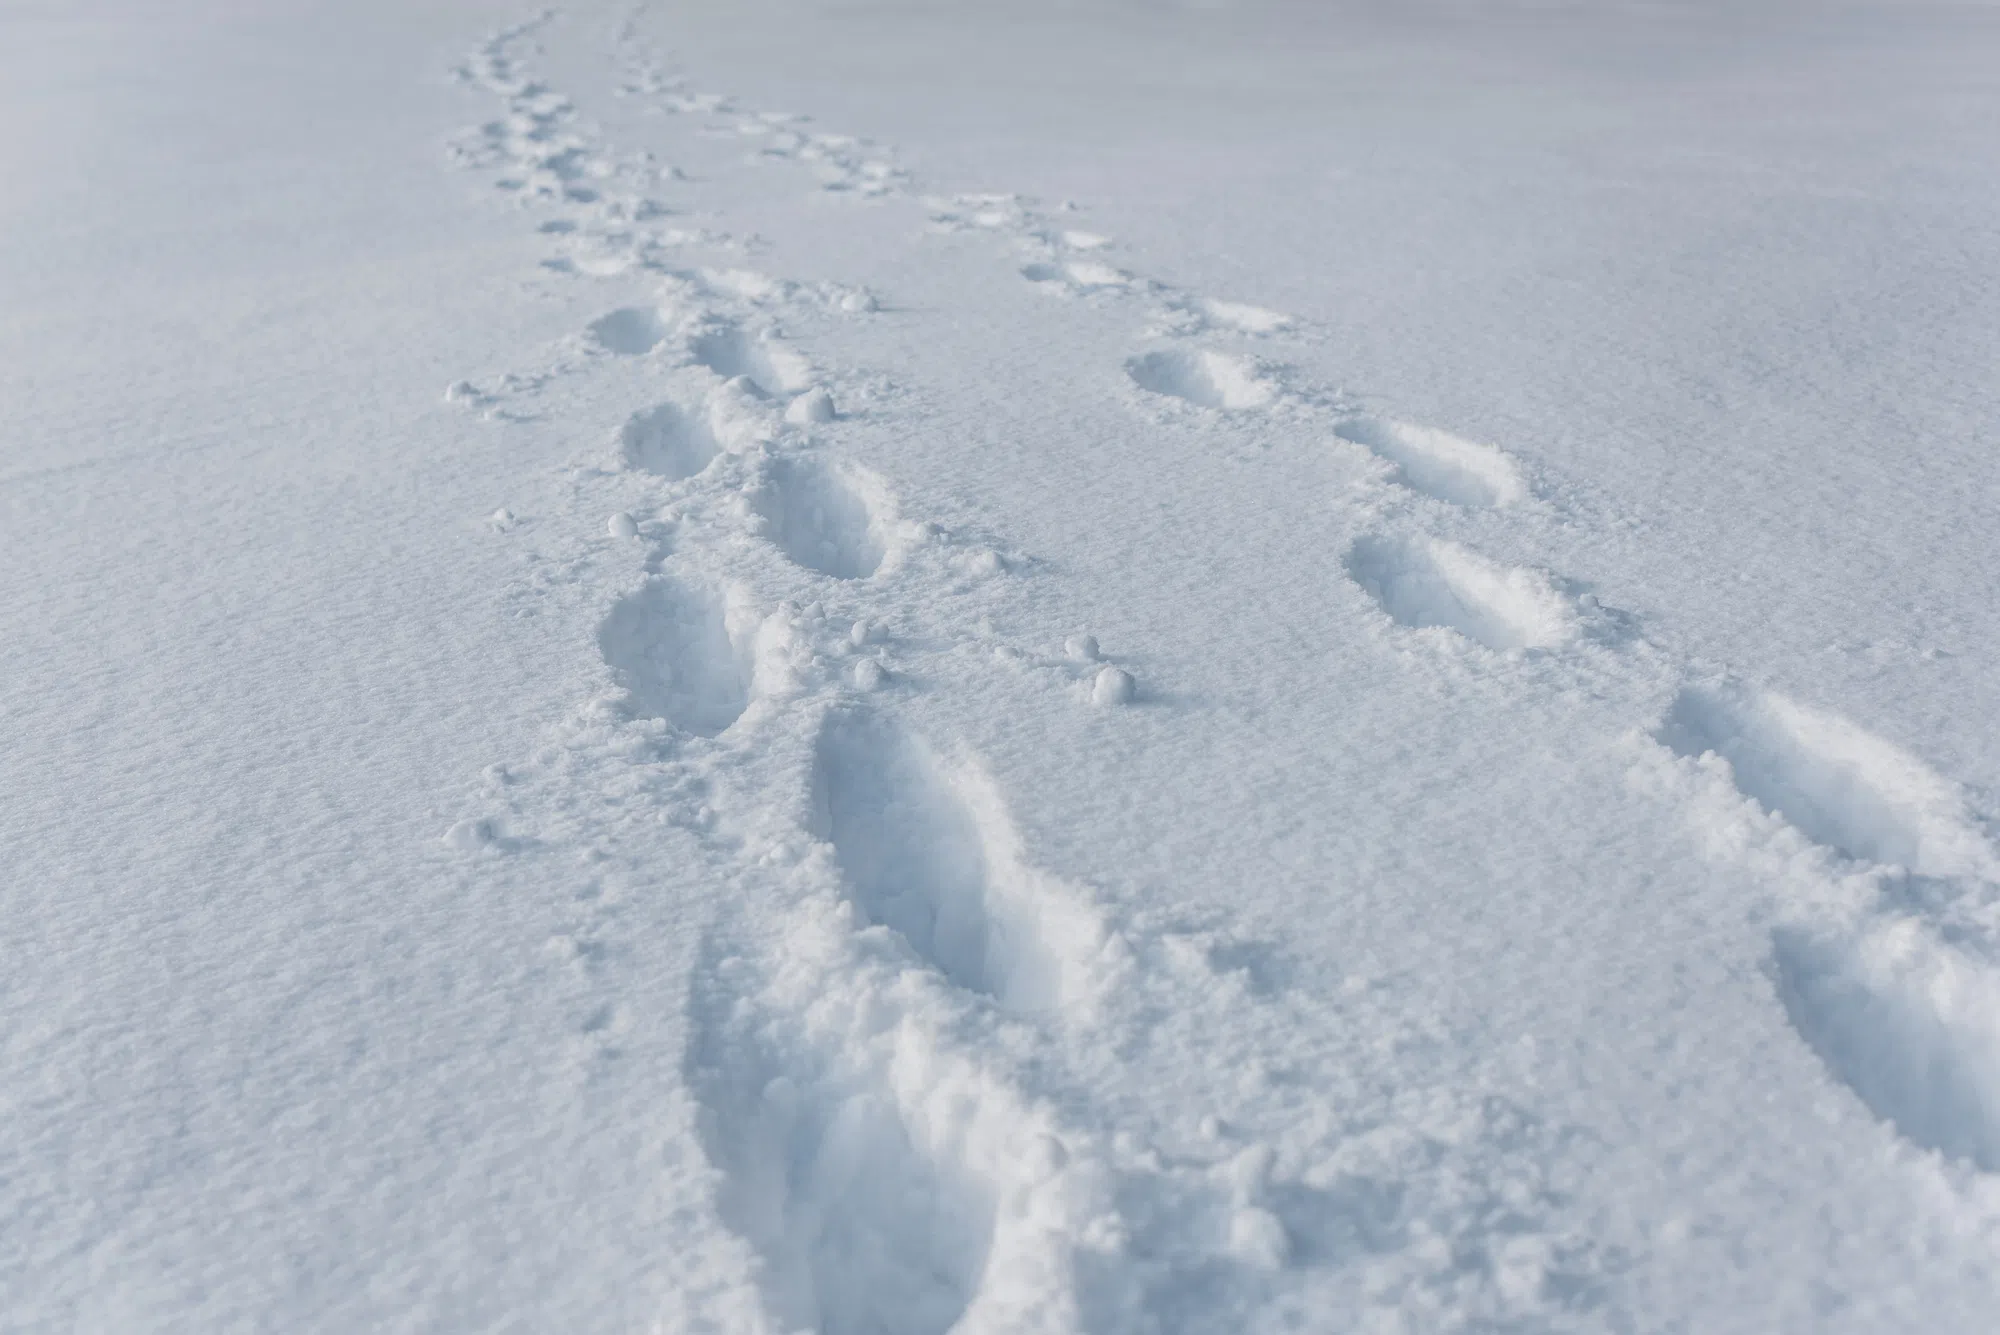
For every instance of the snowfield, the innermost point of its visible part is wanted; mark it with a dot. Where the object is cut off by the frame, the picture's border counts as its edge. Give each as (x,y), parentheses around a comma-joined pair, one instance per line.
(889,669)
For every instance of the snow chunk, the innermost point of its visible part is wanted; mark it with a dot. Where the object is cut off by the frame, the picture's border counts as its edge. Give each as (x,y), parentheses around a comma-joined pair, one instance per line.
(1112,686)
(469,835)
(1257,1237)
(815,405)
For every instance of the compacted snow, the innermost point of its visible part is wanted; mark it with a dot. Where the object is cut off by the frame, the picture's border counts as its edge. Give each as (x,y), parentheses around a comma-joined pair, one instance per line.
(900,669)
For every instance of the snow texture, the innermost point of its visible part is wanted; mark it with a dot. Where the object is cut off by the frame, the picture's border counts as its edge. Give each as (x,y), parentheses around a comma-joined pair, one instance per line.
(1003,694)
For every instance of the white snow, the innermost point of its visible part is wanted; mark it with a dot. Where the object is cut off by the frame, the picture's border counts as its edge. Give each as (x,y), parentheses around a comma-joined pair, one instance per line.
(1101,667)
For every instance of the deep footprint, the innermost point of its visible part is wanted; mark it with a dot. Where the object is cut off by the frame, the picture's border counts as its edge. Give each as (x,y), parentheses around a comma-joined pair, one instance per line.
(670,647)
(862,1232)
(1907,1023)
(916,860)
(1423,582)
(821,518)
(667,440)
(1439,464)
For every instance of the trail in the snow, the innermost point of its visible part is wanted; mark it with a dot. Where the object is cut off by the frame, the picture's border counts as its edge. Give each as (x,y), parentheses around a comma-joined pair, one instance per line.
(1897,998)
(1926,1059)
(906,1034)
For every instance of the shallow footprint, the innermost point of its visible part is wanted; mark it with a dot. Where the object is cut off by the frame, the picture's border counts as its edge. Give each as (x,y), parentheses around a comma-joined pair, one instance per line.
(1206,378)
(1842,787)
(1904,1016)
(1439,464)
(1424,582)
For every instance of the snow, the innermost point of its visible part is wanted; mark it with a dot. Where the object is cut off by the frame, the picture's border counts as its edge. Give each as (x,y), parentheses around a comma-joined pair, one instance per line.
(1092,667)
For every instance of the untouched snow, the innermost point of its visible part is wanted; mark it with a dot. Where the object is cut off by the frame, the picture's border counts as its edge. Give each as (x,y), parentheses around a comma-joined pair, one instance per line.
(900,669)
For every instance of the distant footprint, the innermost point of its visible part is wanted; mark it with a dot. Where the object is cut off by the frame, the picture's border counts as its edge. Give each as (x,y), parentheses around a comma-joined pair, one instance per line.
(1841,786)
(671,647)
(824,516)
(1424,582)
(1439,464)
(1077,275)
(729,351)
(1189,314)
(1208,379)
(632,331)
(926,851)
(668,440)
(1242,317)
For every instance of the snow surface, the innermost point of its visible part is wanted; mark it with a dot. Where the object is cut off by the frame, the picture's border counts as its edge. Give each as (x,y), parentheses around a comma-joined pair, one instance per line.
(902,668)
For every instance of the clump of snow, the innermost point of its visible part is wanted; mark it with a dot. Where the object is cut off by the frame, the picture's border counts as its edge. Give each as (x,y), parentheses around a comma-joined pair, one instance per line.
(815,405)
(1112,686)
(469,835)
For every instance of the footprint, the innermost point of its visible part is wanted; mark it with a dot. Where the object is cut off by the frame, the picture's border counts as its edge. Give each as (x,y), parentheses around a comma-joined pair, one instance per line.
(1209,379)
(1242,317)
(667,440)
(868,1222)
(1422,582)
(730,352)
(1906,1018)
(744,285)
(1841,786)
(1908,1023)
(926,850)
(1077,274)
(824,516)
(1439,464)
(672,648)
(632,331)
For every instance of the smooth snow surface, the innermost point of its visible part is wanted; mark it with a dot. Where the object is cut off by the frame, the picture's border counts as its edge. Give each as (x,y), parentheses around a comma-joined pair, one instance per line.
(969,669)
